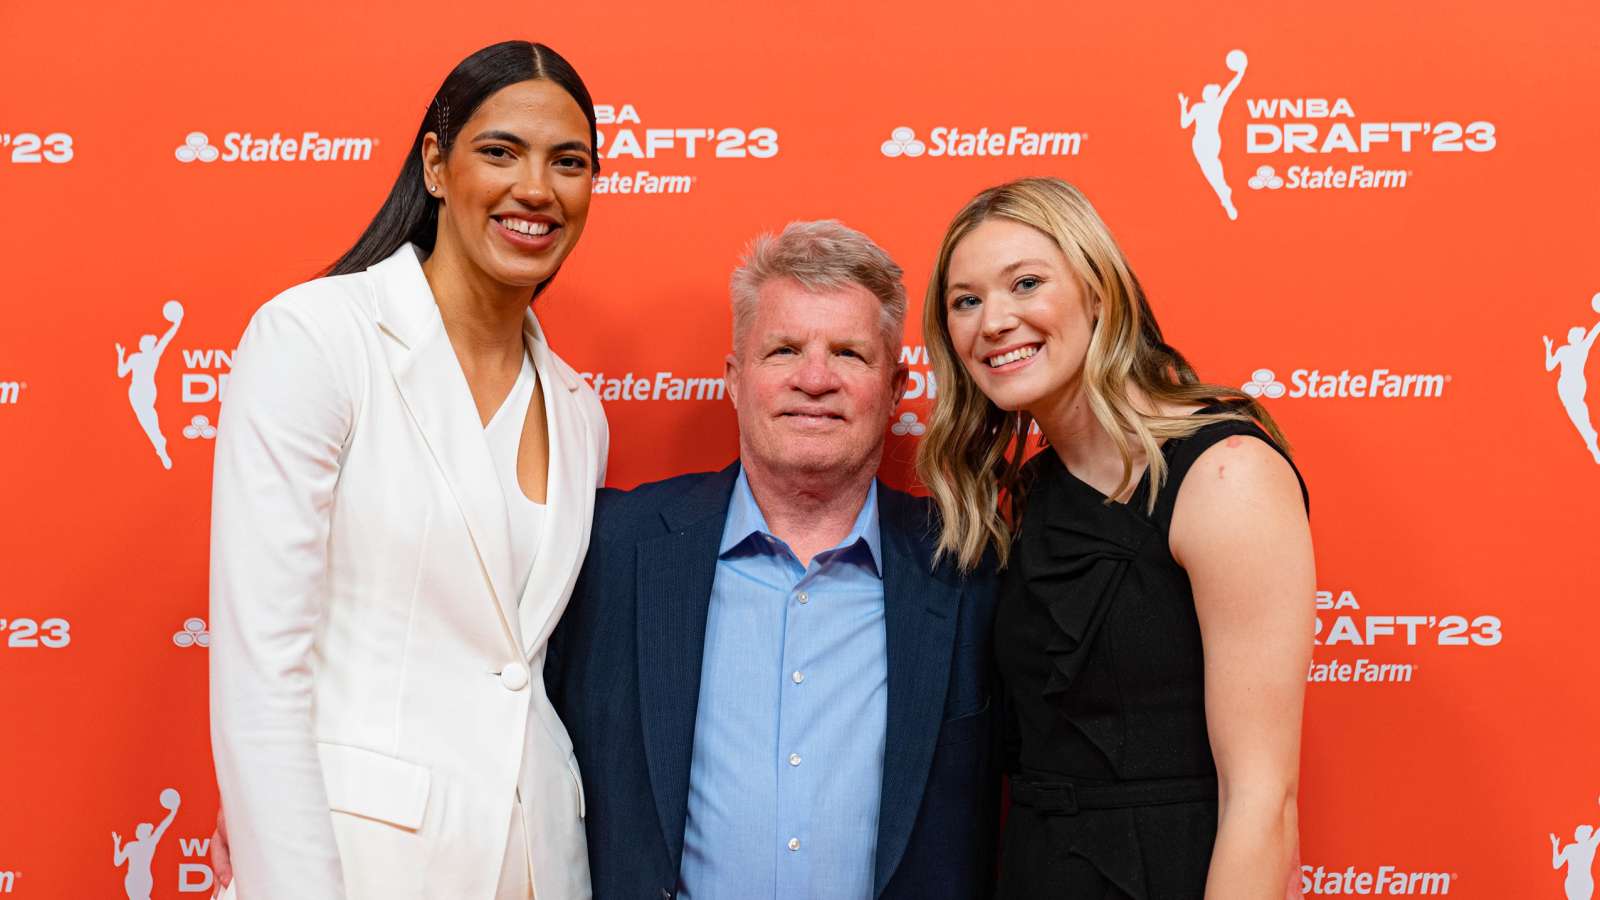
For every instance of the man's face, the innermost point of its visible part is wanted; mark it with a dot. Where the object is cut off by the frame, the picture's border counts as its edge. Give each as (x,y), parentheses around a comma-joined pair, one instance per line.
(813,382)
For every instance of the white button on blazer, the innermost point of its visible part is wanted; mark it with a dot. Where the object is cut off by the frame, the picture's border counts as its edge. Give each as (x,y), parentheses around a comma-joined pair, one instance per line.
(377,698)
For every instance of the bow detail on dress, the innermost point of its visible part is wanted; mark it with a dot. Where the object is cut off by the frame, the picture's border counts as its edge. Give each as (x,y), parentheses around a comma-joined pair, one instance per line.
(1075,573)
(1075,569)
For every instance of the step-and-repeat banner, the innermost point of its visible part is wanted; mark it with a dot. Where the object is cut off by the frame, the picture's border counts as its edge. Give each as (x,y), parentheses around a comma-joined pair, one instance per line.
(1379,217)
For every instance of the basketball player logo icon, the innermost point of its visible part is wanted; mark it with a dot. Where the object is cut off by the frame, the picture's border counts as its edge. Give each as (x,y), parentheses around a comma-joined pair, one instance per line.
(1205,117)
(1571,384)
(139,368)
(1578,858)
(138,854)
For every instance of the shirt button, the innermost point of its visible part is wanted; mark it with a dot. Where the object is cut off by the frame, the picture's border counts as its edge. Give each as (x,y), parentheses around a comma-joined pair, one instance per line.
(798,676)
(514,677)
(802,597)
(794,843)
(794,759)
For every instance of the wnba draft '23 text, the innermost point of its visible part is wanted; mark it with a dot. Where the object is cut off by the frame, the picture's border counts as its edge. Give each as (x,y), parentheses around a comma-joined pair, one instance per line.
(1349,627)
(27,147)
(22,633)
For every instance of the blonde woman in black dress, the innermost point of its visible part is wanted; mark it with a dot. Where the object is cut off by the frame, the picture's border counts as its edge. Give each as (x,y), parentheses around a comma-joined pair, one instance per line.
(1156,616)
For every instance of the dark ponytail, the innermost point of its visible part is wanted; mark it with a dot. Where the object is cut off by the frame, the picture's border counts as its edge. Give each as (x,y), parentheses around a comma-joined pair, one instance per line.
(410,213)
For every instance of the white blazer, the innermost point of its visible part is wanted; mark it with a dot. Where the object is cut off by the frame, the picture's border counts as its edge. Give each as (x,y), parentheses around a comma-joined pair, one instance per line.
(377,693)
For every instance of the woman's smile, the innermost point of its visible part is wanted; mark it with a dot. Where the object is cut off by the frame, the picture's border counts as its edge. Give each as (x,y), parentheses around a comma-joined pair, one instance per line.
(534,234)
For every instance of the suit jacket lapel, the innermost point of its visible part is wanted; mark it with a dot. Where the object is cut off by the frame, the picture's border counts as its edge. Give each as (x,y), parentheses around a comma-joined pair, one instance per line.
(569,496)
(919,625)
(674,578)
(436,394)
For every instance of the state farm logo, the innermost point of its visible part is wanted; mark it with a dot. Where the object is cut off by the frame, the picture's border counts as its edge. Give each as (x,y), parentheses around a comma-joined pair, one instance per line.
(623,137)
(194,633)
(1384,880)
(1265,178)
(1263,383)
(1327,129)
(656,386)
(11,392)
(903,142)
(1017,140)
(247,147)
(666,385)
(907,426)
(200,429)
(1370,384)
(196,147)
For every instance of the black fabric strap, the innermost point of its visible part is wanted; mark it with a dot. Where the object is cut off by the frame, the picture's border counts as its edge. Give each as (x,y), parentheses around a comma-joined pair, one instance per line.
(1181,455)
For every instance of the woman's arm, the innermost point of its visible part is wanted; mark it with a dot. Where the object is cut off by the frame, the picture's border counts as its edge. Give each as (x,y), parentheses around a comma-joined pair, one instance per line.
(122,362)
(283,424)
(1240,530)
(1549,354)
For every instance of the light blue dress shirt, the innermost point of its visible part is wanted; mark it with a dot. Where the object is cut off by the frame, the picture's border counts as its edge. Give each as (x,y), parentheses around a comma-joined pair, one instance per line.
(785,779)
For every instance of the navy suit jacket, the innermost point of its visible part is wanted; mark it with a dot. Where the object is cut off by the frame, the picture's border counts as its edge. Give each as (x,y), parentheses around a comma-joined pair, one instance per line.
(624,672)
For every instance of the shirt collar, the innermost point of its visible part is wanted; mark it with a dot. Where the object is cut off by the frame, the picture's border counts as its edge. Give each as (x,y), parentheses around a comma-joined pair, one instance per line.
(746,521)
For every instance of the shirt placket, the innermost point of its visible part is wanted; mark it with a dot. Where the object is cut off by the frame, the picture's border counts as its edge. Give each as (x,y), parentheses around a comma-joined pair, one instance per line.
(794,765)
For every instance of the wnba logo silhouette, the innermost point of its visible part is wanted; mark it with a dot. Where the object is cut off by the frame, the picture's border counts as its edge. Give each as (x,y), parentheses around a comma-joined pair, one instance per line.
(140,370)
(1205,117)
(138,854)
(1572,385)
(1578,859)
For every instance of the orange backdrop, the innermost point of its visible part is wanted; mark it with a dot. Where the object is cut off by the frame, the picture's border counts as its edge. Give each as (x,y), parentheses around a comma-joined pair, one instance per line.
(1428,209)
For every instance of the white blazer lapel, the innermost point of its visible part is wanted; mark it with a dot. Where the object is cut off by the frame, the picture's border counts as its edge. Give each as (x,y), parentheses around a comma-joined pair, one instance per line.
(569,495)
(440,402)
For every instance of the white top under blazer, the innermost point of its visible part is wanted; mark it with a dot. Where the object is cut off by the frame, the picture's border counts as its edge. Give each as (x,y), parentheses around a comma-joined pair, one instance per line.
(377,699)
(504,433)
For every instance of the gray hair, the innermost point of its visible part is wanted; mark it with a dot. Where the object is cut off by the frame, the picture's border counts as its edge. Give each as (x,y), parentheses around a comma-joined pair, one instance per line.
(820,254)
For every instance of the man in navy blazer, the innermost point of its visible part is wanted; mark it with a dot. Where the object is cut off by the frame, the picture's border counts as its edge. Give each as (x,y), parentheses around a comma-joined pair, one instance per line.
(772,689)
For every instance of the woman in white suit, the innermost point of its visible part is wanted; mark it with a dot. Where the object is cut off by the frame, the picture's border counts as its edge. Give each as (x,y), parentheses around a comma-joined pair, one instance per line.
(405,473)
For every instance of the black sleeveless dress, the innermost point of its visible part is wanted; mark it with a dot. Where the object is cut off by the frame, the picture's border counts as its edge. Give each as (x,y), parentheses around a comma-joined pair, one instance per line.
(1113,787)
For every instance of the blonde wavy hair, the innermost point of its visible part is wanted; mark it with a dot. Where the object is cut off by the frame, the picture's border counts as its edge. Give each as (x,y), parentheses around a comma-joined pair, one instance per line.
(972,455)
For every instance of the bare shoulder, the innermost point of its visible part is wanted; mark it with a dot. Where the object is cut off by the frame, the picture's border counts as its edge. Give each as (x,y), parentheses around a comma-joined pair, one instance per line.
(1237,488)
(1242,466)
